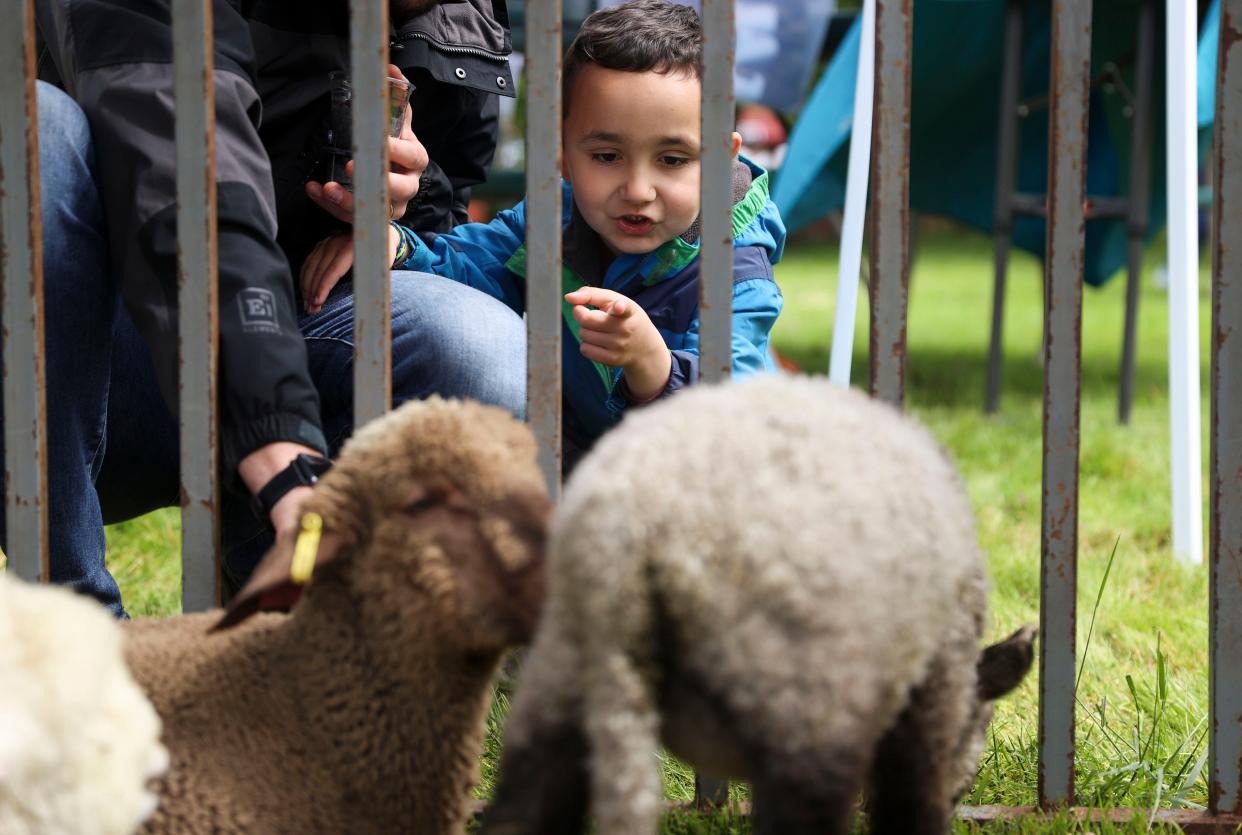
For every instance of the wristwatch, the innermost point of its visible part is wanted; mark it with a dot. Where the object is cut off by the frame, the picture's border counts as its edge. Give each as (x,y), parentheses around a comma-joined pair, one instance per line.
(304,470)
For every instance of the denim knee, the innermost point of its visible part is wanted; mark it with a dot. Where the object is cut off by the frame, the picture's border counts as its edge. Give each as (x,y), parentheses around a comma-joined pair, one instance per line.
(451,339)
(65,147)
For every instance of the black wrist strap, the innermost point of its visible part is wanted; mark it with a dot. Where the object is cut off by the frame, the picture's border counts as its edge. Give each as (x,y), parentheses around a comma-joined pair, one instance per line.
(303,471)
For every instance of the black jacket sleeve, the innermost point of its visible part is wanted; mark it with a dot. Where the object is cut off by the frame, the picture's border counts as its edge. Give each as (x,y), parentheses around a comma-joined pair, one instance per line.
(114,58)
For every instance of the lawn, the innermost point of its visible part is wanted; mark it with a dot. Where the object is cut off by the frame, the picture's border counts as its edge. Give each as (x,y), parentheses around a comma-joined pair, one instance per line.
(1142,697)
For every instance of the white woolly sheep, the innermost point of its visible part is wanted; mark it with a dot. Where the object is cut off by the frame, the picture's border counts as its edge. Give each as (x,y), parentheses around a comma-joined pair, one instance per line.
(361,711)
(779,579)
(78,740)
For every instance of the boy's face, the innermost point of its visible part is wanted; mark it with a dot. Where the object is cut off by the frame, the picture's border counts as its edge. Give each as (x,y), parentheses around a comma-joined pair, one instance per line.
(632,147)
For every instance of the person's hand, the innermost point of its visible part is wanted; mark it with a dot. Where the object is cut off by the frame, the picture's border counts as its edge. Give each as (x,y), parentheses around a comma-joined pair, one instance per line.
(407,160)
(259,467)
(327,264)
(619,333)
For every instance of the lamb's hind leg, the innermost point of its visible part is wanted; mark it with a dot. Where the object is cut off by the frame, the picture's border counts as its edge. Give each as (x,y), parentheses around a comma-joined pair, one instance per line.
(912,776)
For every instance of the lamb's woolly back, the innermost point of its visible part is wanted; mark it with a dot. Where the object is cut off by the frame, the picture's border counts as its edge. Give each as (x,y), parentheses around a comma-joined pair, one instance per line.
(770,475)
(78,740)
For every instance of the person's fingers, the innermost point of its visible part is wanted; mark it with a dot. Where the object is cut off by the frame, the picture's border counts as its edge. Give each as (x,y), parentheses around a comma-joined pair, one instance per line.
(601,339)
(593,319)
(593,296)
(333,271)
(407,155)
(334,199)
(598,354)
(621,309)
(310,270)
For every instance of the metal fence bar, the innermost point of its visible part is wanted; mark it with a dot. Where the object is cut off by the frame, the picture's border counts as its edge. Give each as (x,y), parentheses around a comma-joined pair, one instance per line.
(1067,161)
(368,69)
(1138,202)
(890,199)
(197,302)
(543,235)
(1002,207)
(1225,555)
(716,235)
(716,241)
(21,297)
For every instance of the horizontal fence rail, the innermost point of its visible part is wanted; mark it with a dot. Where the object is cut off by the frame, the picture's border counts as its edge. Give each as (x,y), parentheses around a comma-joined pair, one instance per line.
(21,262)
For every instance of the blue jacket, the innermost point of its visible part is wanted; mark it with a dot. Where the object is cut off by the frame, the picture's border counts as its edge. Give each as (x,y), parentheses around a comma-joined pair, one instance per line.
(492,257)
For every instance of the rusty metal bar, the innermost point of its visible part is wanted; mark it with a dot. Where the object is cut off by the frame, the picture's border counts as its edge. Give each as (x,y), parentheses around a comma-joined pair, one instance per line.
(1067,163)
(716,236)
(1002,208)
(716,208)
(1190,821)
(368,69)
(21,298)
(890,199)
(543,235)
(1136,202)
(544,303)
(1225,548)
(197,302)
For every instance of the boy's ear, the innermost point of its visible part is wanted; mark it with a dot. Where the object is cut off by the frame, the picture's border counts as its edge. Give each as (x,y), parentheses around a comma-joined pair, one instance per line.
(736,142)
(565,168)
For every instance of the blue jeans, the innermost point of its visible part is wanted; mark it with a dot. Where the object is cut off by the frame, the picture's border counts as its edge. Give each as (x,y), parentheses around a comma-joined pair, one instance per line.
(79,300)
(102,393)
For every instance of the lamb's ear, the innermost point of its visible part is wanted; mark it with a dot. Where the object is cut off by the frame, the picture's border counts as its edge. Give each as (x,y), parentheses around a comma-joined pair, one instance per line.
(1002,666)
(271,588)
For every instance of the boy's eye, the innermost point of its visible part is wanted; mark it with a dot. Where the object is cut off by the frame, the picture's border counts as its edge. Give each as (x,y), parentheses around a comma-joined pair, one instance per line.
(673,162)
(604,156)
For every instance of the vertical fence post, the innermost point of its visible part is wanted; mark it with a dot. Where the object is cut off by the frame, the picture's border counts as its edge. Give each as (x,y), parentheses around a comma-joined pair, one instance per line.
(1139,199)
(21,297)
(1183,234)
(1067,162)
(543,235)
(197,302)
(716,235)
(716,206)
(1225,577)
(368,47)
(890,199)
(1002,206)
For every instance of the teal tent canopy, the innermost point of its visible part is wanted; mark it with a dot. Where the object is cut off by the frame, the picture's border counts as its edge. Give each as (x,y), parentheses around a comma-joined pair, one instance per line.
(955,97)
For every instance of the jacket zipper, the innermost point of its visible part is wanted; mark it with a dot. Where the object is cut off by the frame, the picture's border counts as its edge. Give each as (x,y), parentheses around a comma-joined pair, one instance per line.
(456,50)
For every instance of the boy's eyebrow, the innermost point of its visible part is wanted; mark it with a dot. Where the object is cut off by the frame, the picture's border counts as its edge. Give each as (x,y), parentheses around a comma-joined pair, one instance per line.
(616,138)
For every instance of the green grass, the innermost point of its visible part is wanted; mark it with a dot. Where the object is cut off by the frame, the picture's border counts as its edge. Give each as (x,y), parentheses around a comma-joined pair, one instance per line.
(1143,690)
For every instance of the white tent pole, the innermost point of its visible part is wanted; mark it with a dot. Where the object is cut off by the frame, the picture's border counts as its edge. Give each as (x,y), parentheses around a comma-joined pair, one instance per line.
(855,204)
(1183,190)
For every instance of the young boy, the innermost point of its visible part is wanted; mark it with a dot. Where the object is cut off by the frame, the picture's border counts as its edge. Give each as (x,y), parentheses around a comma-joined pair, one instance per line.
(632,145)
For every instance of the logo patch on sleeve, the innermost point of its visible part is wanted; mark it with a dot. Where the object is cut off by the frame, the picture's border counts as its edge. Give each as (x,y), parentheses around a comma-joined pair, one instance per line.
(258,310)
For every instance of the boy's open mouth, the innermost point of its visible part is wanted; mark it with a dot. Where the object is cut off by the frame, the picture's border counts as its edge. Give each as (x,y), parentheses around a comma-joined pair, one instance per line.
(635,224)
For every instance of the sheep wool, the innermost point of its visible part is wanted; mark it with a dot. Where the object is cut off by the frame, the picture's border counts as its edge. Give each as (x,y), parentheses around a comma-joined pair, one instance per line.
(78,739)
(363,709)
(779,580)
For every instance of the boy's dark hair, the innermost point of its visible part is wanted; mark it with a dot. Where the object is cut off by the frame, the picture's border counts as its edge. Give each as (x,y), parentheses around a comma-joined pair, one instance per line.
(638,36)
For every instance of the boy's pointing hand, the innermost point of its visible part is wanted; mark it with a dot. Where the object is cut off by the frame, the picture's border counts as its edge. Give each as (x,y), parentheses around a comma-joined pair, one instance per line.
(616,331)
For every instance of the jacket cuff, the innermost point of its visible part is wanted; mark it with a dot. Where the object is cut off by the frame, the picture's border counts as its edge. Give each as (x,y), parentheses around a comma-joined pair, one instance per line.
(268,429)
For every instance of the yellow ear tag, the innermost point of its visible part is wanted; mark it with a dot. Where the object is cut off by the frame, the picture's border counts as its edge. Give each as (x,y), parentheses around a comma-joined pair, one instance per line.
(305,549)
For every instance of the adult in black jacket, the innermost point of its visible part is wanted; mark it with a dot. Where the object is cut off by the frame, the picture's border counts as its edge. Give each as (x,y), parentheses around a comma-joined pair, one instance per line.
(113,58)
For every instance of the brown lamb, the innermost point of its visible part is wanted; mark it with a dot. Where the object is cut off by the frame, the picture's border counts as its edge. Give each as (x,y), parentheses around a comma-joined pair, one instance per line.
(362,710)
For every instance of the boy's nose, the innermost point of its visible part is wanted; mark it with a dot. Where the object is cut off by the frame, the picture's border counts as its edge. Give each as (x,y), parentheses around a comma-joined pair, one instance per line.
(638,188)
